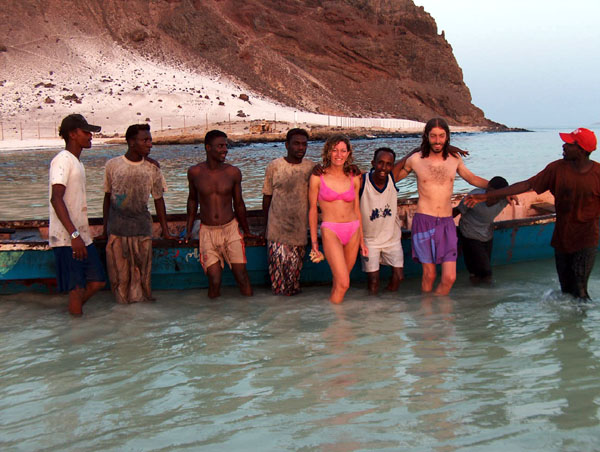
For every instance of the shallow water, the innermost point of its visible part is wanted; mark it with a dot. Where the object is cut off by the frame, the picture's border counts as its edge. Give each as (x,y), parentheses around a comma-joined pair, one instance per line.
(24,174)
(511,367)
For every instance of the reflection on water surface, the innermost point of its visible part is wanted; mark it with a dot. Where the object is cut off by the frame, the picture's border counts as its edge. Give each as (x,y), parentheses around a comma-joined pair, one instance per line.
(513,366)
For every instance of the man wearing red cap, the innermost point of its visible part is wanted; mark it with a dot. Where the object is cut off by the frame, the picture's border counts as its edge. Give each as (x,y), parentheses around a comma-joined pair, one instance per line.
(575,183)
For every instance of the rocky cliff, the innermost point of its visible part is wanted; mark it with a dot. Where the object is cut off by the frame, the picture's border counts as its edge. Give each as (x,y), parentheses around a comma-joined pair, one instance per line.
(345,57)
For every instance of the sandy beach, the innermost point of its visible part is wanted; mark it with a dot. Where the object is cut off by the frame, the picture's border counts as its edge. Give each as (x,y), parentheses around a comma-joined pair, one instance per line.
(113,87)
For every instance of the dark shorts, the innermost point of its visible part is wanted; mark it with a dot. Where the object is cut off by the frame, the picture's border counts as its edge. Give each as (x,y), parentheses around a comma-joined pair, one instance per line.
(477,255)
(574,270)
(433,239)
(73,274)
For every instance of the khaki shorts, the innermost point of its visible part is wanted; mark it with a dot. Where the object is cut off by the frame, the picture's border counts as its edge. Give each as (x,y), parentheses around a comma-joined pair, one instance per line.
(221,243)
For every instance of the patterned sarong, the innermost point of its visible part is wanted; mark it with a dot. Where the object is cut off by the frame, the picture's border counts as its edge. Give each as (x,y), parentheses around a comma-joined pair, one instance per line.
(129,264)
(285,264)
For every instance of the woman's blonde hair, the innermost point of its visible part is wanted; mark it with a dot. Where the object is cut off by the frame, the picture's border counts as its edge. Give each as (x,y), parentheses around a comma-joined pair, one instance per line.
(328,149)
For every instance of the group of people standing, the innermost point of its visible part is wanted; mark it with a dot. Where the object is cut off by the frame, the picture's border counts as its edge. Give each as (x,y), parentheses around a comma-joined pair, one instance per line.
(358,213)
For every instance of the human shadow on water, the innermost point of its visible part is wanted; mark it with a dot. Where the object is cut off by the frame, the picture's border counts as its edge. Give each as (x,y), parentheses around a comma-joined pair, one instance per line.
(578,388)
(433,344)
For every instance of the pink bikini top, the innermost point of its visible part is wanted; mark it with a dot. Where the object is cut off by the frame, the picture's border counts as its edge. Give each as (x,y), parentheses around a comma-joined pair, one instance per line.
(327,194)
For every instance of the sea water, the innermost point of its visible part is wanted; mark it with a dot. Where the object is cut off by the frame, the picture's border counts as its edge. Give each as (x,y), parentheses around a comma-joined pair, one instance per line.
(513,366)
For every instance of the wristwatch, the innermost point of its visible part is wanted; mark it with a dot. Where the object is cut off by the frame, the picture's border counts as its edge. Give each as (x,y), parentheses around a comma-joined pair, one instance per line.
(75,234)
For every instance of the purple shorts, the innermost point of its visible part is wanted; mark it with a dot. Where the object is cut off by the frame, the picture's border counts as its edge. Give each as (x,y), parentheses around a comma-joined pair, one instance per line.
(433,239)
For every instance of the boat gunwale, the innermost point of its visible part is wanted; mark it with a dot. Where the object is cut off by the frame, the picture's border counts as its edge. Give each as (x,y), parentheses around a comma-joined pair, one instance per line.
(18,245)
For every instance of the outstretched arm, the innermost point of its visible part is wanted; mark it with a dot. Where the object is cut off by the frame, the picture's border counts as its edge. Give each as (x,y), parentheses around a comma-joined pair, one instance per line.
(471,178)
(514,189)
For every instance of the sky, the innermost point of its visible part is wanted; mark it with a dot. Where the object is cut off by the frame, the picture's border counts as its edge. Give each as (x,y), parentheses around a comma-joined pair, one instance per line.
(528,63)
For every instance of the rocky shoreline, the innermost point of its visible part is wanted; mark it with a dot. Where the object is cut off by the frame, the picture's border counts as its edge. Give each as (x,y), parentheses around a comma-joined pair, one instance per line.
(241,133)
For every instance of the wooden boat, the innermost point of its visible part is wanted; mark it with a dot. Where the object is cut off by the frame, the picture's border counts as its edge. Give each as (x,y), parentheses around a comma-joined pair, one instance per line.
(522,233)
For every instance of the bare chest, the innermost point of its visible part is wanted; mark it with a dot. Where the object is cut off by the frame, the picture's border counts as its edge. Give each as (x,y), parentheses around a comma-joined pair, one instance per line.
(213,183)
(438,173)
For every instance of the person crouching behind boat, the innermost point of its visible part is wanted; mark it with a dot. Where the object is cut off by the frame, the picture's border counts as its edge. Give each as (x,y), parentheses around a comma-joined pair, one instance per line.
(217,186)
(336,192)
(285,207)
(476,231)
(129,180)
(381,225)
(575,183)
(78,267)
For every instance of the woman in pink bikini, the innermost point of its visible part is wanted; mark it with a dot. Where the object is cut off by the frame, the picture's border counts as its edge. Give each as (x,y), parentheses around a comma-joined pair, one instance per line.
(336,192)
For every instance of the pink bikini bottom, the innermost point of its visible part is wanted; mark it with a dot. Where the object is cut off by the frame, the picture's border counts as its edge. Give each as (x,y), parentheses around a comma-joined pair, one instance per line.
(344,231)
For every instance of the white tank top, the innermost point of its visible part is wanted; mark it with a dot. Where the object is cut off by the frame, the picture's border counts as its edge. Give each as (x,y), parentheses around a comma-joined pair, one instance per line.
(378,209)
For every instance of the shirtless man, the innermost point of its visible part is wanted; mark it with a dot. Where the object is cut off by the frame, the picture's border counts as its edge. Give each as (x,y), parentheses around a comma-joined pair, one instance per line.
(433,230)
(217,186)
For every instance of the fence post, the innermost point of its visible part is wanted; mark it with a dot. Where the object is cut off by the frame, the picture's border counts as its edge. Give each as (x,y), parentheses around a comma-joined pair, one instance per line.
(183,123)
(2,129)
(206,120)
(21,130)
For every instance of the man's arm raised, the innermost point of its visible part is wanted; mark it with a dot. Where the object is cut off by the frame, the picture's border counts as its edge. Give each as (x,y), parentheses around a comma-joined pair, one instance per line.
(403,167)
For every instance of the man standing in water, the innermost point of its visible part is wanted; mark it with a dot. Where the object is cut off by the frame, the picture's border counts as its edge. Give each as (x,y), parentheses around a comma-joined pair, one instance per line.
(217,186)
(575,183)
(433,230)
(286,179)
(381,226)
(129,180)
(78,267)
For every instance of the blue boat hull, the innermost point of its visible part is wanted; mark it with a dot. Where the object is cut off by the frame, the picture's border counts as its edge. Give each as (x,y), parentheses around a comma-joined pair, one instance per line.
(178,267)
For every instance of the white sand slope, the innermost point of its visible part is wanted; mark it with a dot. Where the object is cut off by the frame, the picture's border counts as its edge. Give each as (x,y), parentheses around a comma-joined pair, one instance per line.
(42,82)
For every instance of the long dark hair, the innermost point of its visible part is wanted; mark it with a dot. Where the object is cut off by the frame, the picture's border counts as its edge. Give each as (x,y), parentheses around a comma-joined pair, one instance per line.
(426,146)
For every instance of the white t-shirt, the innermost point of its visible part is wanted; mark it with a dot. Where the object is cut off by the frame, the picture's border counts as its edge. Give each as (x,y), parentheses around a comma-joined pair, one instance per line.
(67,170)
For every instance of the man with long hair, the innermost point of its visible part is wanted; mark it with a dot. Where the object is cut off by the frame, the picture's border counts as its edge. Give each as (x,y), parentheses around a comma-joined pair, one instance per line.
(434,241)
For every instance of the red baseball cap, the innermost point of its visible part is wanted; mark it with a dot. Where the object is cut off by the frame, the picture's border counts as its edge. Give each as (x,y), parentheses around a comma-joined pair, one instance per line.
(585,138)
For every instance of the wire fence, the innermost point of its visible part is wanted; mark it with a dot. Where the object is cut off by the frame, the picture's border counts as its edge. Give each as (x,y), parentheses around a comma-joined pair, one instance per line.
(32,130)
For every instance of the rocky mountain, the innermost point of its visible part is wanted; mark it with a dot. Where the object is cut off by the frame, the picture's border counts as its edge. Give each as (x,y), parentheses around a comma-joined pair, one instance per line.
(343,57)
